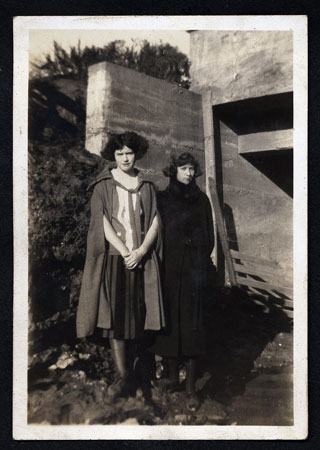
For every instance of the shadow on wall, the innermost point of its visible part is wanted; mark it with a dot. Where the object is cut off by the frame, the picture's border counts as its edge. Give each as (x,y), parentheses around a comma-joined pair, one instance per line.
(230,227)
(251,117)
(277,166)
(56,108)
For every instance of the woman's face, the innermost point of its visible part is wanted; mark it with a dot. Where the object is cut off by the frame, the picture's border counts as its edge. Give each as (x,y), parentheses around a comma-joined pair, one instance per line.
(185,174)
(125,159)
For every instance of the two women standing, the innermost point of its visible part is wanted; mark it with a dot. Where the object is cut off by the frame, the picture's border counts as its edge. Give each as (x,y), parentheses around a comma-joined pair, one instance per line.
(121,290)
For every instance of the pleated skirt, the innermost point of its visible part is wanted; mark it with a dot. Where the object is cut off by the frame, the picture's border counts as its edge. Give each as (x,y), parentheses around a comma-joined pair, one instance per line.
(126,290)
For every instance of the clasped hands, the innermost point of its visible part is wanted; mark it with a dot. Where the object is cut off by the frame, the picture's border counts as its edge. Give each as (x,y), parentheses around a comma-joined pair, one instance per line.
(132,259)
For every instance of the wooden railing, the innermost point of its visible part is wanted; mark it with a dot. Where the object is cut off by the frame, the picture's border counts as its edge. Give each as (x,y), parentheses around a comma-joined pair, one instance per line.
(258,276)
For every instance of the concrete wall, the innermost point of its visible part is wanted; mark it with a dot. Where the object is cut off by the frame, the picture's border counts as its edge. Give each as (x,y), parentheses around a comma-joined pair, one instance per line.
(241,64)
(258,212)
(254,66)
(120,99)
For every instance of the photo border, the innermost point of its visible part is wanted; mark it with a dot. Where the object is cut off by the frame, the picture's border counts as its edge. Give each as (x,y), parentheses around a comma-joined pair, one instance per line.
(22,25)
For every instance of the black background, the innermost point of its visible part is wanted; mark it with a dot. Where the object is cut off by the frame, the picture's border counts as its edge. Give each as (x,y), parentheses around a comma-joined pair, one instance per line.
(11,8)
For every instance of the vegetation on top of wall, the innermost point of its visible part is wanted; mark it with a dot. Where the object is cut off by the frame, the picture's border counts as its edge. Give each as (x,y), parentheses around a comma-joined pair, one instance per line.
(157,60)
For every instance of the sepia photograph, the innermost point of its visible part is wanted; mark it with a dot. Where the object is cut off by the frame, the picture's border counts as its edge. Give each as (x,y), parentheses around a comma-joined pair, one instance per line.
(160,170)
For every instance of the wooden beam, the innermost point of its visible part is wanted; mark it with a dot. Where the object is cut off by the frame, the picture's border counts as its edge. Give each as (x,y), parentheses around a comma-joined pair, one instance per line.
(209,152)
(262,285)
(265,141)
(208,133)
(270,300)
(272,277)
(288,303)
(254,259)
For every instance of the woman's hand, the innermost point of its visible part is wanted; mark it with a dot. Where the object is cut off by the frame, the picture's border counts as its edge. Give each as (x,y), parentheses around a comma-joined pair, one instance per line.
(133,259)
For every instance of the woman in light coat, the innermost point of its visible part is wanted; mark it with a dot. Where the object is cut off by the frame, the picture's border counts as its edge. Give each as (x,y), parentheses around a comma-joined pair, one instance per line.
(121,292)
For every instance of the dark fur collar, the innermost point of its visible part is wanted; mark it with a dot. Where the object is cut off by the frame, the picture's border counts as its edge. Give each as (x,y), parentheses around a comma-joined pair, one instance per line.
(188,193)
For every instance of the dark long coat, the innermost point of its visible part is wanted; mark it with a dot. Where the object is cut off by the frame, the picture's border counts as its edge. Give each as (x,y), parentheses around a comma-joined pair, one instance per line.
(188,242)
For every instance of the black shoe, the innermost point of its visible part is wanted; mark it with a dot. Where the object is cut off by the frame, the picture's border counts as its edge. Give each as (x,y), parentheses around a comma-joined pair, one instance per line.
(192,402)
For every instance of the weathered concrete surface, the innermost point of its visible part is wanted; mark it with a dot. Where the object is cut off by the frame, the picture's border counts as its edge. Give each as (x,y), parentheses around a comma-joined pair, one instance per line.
(241,64)
(170,117)
(250,75)
(258,213)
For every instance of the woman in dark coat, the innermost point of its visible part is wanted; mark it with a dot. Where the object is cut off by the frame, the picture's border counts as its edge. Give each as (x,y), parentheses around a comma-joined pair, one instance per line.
(121,291)
(188,242)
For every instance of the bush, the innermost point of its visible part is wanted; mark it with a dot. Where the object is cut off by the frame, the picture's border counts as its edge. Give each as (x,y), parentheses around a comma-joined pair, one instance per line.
(157,60)
(58,223)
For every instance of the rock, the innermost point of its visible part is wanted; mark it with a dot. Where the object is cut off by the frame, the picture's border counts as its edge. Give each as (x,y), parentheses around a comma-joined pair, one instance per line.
(130,421)
(65,360)
(81,375)
(179,419)
(84,356)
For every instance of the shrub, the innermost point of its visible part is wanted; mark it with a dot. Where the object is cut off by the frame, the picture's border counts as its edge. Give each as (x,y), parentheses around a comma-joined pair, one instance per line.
(157,60)
(58,222)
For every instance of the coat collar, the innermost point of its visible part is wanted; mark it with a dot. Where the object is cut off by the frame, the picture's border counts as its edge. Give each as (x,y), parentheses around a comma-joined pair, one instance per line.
(188,193)
(105,174)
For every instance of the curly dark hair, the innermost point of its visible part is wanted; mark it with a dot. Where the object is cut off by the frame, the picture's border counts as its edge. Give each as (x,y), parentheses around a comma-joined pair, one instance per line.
(137,143)
(181,160)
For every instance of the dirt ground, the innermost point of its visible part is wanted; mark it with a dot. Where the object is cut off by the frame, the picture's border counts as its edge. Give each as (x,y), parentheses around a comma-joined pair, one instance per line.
(245,378)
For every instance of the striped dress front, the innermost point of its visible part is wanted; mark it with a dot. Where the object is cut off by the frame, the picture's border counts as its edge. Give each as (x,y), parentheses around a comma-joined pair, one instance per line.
(126,287)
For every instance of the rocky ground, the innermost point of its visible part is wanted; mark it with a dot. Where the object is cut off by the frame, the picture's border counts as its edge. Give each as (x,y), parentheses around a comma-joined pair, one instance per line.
(245,379)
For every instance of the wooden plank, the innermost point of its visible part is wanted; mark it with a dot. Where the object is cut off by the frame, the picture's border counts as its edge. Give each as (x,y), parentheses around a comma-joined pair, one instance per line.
(286,280)
(222,231)
(264,272)
(267,295)
(269,299)
(261,285)
(263,262)
(271,277)
(209,152)
(285,303)
(208,133)
(266,141)
(255,291)
(289,313)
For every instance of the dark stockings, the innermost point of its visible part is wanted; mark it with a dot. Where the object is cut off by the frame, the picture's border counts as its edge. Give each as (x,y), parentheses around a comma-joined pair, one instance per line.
(192,399)
(173,367)
(190,376)
(119,387)
(118,350)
